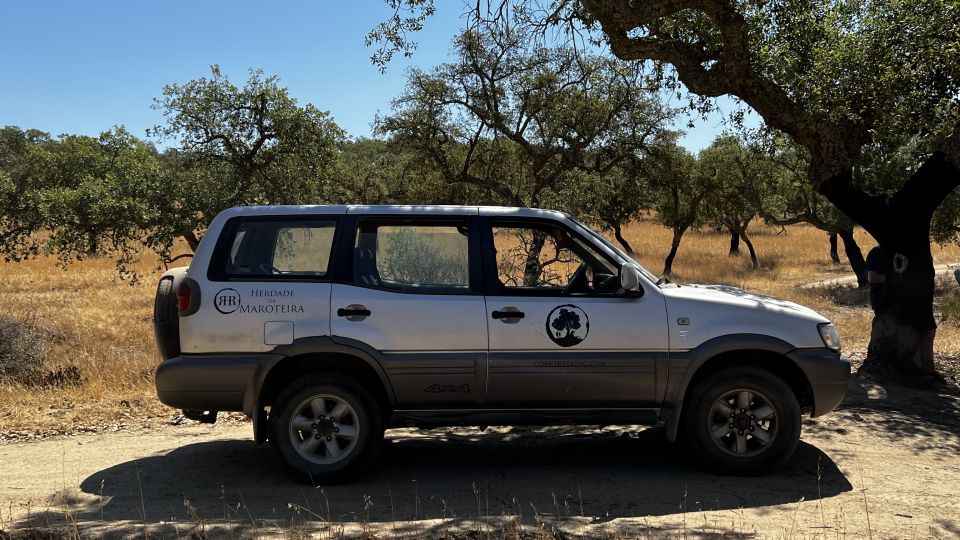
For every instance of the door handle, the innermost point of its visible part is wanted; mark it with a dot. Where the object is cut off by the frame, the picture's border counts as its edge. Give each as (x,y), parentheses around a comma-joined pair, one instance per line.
(508,313)
(354,312)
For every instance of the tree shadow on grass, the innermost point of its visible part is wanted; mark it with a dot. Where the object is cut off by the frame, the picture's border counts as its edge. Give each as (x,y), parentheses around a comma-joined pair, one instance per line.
(525,472)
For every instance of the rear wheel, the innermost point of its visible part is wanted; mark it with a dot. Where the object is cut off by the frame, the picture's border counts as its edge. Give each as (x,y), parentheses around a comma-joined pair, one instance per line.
(742,420)
(327,427)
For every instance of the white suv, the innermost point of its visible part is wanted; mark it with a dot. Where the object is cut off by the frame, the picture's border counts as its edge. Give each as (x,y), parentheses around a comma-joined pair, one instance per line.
(328,324)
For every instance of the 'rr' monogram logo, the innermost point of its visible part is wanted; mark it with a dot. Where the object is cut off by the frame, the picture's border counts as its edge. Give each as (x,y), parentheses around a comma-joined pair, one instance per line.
(227,301)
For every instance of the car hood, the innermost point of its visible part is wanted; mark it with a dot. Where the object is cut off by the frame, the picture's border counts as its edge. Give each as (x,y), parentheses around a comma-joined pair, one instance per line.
(716,310)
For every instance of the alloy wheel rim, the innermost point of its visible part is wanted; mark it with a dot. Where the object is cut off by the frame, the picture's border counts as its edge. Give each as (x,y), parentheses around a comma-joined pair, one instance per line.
(324,429)
(742,422)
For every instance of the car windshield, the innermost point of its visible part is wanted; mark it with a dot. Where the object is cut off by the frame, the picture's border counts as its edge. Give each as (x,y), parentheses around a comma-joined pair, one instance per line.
(598,237)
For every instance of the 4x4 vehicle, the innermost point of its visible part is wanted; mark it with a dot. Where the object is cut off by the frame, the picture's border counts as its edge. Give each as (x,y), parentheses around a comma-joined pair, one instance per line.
(328,324)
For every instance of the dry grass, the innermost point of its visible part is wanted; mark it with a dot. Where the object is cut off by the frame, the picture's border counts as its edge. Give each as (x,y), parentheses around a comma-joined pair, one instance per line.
(102,325)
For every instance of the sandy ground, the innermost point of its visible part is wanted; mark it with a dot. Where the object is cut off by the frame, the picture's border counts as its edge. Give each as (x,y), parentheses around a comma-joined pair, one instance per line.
(887,465)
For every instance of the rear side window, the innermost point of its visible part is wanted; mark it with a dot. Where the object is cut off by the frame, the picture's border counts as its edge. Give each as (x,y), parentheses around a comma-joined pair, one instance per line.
(413,257)
(275,249)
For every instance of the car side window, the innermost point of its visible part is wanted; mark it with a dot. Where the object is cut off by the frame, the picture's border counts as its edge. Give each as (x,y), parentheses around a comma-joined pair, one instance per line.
(277,249)
(545,259)
(413,257)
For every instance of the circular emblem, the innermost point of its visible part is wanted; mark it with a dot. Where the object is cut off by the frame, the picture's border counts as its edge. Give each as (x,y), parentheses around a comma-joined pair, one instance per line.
(568,325)
(226,301)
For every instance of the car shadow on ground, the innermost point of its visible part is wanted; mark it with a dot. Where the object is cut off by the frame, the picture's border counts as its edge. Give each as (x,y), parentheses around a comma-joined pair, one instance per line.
(525,472)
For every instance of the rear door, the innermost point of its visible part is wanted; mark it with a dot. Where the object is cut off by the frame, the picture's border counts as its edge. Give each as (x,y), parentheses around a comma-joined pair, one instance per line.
(267,284)
(413,298)
(562,332)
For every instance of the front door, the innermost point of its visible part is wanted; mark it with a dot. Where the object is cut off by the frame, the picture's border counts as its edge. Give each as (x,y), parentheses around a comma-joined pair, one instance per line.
(416,303)
(562,332)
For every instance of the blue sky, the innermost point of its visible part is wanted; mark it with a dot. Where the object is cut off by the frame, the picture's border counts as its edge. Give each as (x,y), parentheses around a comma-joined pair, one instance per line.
(83,67)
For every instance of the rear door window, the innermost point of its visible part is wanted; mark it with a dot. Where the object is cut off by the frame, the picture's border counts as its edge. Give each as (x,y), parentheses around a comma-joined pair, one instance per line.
(276,249)
(413,257)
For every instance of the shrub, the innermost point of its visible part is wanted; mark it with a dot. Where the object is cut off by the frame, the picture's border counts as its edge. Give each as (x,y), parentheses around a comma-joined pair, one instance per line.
(22,351)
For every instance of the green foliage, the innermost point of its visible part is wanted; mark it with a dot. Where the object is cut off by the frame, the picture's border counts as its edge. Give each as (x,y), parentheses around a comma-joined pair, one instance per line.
(679,186)
(884,65)
(745,181)
(78,196)
(90,194)
(515,119)
(413,255)
(789,198)
(372,171)
(609,201)
(249,145)
(393,34)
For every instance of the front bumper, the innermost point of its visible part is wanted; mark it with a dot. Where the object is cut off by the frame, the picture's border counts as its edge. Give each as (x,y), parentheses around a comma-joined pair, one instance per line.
(213,382)
(828,373)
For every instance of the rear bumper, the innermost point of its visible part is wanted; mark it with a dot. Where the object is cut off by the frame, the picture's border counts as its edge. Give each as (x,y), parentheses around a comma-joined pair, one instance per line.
(213,382)
(829,375)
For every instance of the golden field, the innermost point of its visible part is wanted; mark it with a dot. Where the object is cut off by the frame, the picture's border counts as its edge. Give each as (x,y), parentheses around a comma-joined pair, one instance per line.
(101,325)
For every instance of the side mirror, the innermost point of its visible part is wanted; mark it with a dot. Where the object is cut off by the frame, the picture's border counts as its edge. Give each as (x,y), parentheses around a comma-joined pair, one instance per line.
(630,280)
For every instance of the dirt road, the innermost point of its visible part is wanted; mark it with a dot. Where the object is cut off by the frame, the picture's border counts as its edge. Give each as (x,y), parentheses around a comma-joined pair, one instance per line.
(886,465)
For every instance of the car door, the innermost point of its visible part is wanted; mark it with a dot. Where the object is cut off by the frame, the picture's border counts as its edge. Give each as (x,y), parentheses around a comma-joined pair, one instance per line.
(414,299)
(562,332)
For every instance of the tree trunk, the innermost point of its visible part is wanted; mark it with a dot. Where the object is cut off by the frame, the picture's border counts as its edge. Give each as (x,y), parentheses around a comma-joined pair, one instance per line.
(834,255)
(901,342)
(618,234)
(753,253)
(192,240)
(734,243)
(674,247)
(532,269)
(855,256)
(93,244)
(903,327)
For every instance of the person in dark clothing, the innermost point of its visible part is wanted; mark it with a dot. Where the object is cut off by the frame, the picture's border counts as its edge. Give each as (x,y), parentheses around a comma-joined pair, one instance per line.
(877,269)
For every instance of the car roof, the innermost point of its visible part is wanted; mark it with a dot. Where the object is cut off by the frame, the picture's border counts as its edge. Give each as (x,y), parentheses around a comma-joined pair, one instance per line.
(394,209)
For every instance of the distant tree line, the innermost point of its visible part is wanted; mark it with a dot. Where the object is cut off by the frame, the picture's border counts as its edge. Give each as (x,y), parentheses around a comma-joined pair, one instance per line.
(507,121)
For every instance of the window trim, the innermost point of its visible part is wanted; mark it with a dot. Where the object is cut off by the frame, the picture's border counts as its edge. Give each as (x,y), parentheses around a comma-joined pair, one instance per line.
(224,243)
(492,285)
(346,245)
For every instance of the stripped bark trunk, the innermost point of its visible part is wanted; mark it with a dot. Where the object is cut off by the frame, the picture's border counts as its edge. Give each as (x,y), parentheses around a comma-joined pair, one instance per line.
(753,252)
(618,234)
(854,256)
(901,342)
(532,269)
(674,247)
(834,254)
(734,243)
(191,238)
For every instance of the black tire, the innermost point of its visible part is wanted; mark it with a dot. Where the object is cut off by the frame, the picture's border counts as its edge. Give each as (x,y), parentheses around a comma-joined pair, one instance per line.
(166,323)
(353,454)
(741,450)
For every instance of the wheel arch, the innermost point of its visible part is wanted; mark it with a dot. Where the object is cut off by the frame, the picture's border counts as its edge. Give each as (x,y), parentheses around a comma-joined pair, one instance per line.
(760,351)
(319,355)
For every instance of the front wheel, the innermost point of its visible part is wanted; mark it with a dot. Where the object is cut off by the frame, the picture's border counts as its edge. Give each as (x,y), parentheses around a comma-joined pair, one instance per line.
(742,420)
(326,427)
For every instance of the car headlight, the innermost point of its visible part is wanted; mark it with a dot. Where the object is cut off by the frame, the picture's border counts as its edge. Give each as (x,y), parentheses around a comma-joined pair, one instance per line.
(830,336)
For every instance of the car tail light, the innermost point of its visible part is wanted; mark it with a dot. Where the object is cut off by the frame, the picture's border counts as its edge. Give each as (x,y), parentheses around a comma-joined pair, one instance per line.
(183,297)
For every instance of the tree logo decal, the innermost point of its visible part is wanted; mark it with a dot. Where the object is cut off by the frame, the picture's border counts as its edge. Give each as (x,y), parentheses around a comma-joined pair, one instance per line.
(568,325)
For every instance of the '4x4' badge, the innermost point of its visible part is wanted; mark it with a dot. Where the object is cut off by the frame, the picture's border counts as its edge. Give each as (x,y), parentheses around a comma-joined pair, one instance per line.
(438,388)
(568,325)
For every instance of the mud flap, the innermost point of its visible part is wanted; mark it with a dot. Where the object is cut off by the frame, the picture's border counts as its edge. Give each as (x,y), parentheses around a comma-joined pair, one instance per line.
(261,425)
